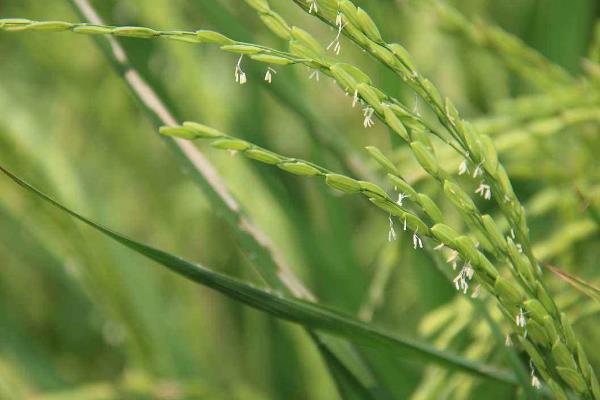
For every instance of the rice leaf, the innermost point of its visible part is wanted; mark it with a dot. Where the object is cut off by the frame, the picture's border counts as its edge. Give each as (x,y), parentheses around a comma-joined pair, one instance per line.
(308,314)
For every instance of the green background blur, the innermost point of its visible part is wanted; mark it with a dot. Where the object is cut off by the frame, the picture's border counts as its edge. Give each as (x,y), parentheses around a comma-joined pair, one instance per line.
(80,316)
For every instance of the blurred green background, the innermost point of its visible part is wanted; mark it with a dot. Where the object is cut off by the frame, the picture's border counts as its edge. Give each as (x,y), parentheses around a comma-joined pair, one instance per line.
(85,318)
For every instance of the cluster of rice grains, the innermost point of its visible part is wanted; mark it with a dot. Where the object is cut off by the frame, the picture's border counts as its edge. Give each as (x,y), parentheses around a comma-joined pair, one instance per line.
(543,331)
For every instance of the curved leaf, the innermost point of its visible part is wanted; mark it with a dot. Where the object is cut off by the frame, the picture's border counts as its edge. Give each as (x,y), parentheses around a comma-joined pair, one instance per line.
(308,314)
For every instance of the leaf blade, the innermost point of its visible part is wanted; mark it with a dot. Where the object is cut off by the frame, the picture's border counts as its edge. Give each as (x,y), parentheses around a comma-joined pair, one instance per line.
(304,313)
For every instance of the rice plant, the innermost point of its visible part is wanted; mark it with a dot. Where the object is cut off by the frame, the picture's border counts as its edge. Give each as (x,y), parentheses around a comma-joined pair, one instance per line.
(397,200)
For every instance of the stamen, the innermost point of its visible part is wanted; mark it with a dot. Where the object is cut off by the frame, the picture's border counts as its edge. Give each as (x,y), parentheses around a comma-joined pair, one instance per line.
(401,197)
(463,168)
(392,232)
(478,170)
(337,46)
(520,319)
(338,19)
(535,382)
(417,242)
(368,114)
(453,258)
(484,190)
(461,282)
(240,76)
(269,74)
(355,98)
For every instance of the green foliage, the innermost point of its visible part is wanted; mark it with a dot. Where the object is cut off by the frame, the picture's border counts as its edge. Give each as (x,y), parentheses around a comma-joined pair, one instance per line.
(485,169)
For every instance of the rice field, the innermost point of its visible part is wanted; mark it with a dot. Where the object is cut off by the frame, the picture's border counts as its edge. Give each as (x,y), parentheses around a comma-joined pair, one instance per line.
(299,199)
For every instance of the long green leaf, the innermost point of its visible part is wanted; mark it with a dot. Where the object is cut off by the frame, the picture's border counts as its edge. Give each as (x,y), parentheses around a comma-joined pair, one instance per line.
(348,385)
(308,314)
